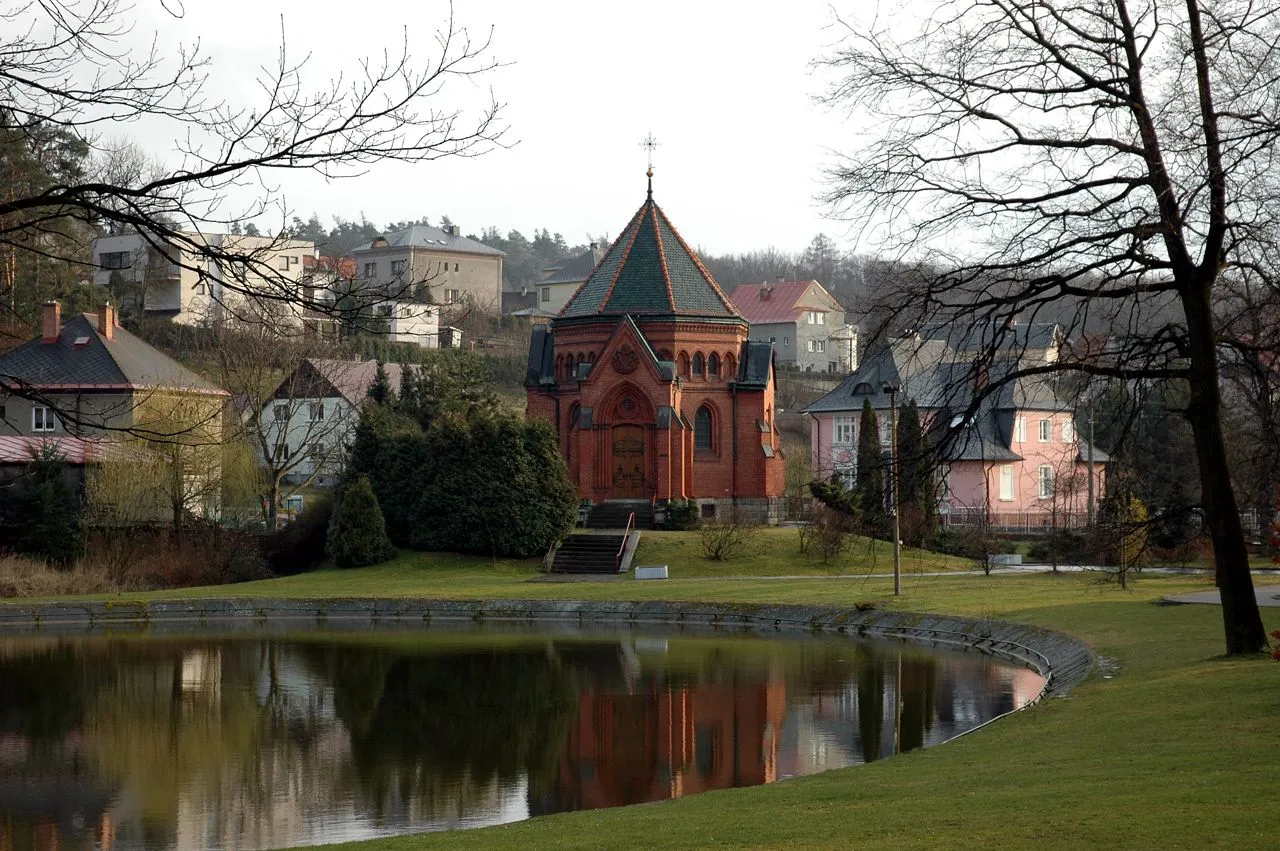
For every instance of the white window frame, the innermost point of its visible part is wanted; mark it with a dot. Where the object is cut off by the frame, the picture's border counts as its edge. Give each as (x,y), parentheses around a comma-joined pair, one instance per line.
(1044,481)
(1006,483)
(316,410)
(45,422)
(1020,429)
(1046,430)
(280,412)
(371,269)
(886,431)
(819,346)
(786,341)
(1068,431)
(398,266)
(546,294)
(817,317)
(844,431)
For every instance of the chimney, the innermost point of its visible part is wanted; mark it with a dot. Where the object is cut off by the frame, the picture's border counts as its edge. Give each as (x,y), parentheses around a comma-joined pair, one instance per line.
(764,290)
(452,230)
(50,322)
(107,321)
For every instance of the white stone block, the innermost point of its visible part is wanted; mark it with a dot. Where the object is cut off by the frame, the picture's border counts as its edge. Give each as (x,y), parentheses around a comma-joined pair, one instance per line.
(652,571)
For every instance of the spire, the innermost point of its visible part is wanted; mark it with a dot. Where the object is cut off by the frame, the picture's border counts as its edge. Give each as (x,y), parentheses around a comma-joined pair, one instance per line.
(649,143)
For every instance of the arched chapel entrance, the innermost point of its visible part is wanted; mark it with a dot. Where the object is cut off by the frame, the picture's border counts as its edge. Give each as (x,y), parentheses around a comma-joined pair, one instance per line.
(628,462)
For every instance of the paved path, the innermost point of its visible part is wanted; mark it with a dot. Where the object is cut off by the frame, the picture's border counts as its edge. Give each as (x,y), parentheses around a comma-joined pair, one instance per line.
(1268,595)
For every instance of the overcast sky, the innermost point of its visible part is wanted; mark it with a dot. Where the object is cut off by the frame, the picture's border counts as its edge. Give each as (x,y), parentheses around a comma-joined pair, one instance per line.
(726,88)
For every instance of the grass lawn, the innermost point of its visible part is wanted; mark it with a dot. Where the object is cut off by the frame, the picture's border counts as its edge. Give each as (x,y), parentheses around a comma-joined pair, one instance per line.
(1178,748)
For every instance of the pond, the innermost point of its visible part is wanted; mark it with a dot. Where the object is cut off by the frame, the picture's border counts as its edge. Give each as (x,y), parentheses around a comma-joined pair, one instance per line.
(251,740)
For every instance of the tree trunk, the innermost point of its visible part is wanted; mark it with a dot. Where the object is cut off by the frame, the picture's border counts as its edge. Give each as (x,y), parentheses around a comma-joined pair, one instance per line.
(1241,620)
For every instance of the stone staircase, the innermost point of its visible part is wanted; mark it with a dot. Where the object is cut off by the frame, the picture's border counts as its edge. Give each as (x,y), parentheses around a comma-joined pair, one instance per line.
(588,552)
(614,513)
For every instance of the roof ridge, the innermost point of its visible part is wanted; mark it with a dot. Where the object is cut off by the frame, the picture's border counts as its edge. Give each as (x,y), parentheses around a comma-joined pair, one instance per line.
(662,258)
(697,261)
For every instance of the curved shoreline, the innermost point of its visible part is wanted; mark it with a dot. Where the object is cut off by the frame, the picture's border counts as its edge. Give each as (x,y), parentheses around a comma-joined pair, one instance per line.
(1063,660)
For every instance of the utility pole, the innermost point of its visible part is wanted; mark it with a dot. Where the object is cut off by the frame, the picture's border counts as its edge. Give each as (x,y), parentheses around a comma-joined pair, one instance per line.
(892,390)
(1089,456)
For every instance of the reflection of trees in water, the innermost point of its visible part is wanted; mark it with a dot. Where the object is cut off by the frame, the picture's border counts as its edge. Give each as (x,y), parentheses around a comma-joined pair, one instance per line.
(420,723)
(249,738)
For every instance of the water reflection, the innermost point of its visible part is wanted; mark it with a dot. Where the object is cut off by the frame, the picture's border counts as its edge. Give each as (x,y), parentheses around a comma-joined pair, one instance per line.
(131,742)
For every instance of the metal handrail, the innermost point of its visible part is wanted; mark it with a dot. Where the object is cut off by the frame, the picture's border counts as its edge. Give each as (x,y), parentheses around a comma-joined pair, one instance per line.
(617,561)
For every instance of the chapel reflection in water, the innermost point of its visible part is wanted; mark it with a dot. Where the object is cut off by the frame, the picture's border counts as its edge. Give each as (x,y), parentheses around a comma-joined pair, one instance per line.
(121,744)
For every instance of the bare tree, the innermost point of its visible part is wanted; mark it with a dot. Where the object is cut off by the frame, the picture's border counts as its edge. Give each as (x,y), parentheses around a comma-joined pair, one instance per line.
(64,68)
(297,433)
(1108,162)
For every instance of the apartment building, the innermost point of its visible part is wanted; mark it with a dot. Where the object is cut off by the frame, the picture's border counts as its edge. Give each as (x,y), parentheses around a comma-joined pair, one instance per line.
(433,265)
(147,275)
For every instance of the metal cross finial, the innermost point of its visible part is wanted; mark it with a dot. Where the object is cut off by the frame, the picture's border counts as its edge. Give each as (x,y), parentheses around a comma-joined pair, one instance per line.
(649,143)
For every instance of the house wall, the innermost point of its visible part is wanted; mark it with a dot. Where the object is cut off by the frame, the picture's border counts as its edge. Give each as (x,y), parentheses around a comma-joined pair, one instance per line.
(96,413)
(554,297)
(970,482)
(193,290)
(477,277)
(337,429)
(783,337)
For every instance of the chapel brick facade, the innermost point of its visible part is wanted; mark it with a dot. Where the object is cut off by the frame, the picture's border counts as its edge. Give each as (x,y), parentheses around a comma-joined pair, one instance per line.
(652,385)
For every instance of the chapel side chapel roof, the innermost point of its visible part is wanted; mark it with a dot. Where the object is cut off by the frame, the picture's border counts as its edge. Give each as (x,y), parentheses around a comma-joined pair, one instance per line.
(650,270)
(83,357)
(771,303)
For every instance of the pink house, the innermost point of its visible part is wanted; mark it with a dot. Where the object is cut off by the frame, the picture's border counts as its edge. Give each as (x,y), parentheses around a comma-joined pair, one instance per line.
(1012,453)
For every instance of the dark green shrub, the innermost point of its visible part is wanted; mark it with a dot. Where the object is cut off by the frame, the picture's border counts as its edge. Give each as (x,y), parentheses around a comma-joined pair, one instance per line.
(494,486)
(46,512)
(358,532)
(681,516)
(300,545)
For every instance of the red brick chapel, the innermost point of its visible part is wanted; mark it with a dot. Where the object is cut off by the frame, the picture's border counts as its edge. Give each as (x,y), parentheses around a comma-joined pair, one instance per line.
(652,385)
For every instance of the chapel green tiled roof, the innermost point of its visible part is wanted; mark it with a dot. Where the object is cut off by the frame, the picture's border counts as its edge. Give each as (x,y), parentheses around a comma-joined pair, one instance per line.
(650,270)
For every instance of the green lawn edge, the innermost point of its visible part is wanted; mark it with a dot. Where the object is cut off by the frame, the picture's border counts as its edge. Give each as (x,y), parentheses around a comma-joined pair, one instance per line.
(1175,746)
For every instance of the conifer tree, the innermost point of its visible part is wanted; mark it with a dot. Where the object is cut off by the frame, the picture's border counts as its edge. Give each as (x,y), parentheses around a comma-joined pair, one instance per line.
(380,389)
(358,532)
(915,477)
(46,513)
(870,486)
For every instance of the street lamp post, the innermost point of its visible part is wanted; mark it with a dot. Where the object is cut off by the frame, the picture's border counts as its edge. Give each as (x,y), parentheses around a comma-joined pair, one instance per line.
(892,390)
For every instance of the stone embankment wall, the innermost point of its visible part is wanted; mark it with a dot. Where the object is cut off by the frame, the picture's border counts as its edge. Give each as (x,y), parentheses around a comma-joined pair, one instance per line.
(1063,660)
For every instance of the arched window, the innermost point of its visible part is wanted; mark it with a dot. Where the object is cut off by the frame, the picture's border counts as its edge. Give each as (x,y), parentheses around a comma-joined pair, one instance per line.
(559,367)
(730,366)
(591,357)
(703,436)
(698,365)
(682,365)
(713,366)
(666,355)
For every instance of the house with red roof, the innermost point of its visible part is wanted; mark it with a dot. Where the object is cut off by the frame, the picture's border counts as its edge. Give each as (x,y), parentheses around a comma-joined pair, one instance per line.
(804,322)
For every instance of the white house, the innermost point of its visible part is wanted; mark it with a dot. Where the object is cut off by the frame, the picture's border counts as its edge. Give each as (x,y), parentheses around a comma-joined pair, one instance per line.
(313,414)
(155,277)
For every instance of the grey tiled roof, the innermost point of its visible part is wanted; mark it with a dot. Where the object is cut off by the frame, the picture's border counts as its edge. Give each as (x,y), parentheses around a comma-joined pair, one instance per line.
(939,380)
(435,239)
(650,270)
(574,270)
(989,336)
(124,362)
